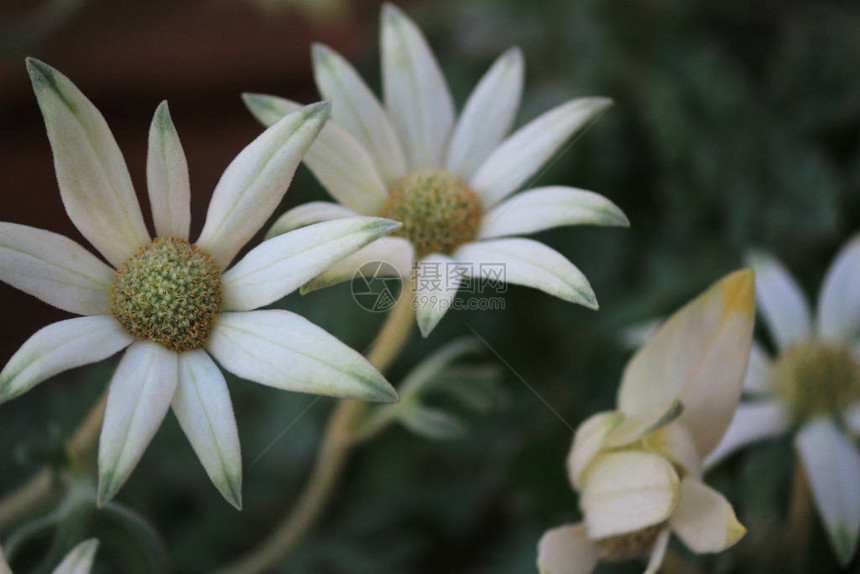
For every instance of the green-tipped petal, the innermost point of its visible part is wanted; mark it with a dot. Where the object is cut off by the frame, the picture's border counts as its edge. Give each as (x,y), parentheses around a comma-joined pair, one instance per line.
(283,350)
(167,180)
(832,465)
(55,269)
(140,394)
(254,183)
(521,155)
(338,160)
(433,297)
(94,181)
(547,207)
(282,264)
(416,95)
(530,263)
(205,412)
(357,110)
(79,560)
(487,116)
(59,347)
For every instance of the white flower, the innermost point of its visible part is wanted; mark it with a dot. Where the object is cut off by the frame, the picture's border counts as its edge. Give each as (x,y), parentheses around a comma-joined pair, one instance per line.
(638,469)
(171,302)
(450,183)
(78,561)
(812,386)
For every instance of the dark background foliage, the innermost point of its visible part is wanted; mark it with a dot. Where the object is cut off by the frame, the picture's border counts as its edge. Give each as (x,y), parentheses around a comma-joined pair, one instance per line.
(735,125)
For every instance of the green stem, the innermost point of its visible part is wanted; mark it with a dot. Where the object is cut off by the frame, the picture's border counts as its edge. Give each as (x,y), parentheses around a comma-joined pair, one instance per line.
(799,516)
(39,489)
(337,443)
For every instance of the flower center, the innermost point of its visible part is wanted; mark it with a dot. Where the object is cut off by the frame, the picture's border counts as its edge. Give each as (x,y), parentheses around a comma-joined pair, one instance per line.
(169,292)
(631,545)
(817,377)
(439,211)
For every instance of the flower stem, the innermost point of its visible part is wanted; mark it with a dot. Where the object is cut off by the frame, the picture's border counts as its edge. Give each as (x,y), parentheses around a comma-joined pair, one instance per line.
(799,515)
(337,443)
(35,493)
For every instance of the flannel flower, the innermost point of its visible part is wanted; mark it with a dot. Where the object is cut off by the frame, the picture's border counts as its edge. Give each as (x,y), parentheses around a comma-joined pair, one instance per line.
(811,386)
(170,302)
(638,469)
(449,182)
(78,561)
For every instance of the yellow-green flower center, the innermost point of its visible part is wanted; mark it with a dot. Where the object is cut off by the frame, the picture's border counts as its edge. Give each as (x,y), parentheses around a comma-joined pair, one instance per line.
(631,545)
(439,211)
(817,377)
(169,292)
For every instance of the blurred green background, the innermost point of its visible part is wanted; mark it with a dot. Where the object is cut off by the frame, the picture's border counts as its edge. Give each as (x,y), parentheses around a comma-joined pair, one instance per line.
(735,125)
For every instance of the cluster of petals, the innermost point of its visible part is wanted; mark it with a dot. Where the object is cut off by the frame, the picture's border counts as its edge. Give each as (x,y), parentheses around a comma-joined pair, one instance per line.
(825,443)
(271,347)
(368,146)
(638,469)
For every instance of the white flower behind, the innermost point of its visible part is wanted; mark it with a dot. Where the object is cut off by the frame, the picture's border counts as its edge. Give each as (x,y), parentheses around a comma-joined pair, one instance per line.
(78,561)
(448,180)
(638,469)
(173,303)
(811,387)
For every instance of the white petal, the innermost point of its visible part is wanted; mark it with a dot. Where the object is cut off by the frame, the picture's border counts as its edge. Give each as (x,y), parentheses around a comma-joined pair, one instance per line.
(547,207)
(59,347)
(839,301)
(487,116)
(80,559)
(675,442)
(704,519)
(356,109)
(205,412)
(698,356)
(567,550)
(780,300)
(336,158)
(753,422)
(588,442)
(416,94)
(55,269)
(306,214)
(435,289)
(758,380)
(627,491)
(140,393)
(283,350)
(521,155)
(254,183)
(280,265)
(530,263)
(167,178)
(658,552)
(385,257)
(94,181)
(832,465)
(4,566)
